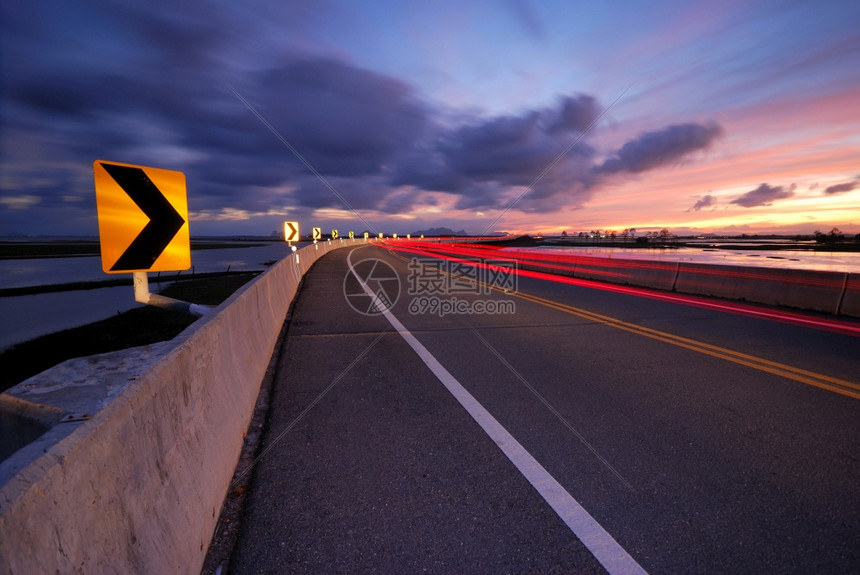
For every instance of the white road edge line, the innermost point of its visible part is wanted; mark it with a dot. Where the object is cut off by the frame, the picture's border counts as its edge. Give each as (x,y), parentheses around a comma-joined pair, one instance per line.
(601,544)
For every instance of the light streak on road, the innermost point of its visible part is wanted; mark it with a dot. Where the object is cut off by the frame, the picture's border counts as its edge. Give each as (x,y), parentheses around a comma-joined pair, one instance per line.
(474,255)
(807,377)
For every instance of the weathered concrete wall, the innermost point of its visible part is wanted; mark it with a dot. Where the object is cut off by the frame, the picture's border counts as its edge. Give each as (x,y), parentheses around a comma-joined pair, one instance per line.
(657,275)
(802,289)
(828,292)
(850,304)
(138,487)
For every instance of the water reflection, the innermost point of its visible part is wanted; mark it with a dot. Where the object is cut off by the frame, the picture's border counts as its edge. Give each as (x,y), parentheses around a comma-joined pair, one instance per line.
(47,271)
(845,262)
(29,316)
(25,317)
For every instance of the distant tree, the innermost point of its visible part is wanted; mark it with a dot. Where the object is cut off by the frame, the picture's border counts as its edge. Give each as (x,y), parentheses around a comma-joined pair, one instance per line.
(633,232)
(564,233)
(836,235)
(831,238)
(664,234)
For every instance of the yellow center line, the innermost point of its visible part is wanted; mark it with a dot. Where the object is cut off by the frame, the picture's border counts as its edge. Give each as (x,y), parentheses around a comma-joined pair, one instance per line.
(819,380)
(794,373)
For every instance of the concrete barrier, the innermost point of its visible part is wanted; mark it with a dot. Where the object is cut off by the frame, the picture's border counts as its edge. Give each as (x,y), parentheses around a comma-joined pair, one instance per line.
(556,264)
(640,273)
(650,274)
(828,292)
(850,304)
(801,289)
(138,486)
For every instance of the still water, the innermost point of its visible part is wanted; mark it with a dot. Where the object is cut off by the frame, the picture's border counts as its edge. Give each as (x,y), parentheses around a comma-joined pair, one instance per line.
(845,262)
(25,317)
(46,271)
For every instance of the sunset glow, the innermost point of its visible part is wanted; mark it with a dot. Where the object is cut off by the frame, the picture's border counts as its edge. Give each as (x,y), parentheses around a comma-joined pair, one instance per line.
(520,116)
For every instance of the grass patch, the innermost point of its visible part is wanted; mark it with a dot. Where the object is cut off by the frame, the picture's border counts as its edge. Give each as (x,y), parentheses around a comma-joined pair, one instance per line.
(139,326)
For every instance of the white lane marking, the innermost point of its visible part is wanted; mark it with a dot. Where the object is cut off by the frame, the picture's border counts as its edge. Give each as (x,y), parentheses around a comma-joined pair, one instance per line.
(601,544)
(552,409)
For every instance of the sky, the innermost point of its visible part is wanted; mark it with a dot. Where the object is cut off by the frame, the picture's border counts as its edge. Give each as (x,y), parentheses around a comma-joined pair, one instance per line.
(520,116)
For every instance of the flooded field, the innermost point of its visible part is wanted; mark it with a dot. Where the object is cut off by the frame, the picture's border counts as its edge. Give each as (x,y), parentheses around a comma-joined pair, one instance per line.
(781,258)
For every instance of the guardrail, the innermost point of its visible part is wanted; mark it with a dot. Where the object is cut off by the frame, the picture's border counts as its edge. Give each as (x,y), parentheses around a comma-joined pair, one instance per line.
(140,447)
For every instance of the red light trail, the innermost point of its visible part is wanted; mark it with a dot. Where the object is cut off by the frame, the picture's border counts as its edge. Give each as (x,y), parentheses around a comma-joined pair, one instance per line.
(476,254)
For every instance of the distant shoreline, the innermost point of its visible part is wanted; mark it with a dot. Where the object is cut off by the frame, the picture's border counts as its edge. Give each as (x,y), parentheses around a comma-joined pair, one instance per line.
(738,243)
(45,248)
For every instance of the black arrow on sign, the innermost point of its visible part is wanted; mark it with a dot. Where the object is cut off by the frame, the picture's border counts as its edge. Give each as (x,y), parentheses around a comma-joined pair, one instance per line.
(293,231)
(164,220)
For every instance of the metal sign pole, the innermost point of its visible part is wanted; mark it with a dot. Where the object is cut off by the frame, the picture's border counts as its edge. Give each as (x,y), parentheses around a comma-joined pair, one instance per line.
(143,295)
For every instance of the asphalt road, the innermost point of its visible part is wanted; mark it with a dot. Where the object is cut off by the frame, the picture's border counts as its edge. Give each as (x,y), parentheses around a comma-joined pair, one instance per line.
(572,430)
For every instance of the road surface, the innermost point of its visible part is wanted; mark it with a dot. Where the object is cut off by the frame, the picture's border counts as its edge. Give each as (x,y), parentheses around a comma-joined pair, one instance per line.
(528,426)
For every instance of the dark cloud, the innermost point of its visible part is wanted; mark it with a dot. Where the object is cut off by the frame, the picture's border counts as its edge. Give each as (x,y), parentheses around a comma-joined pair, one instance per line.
(574,114)
(764,195)
(841,188)
(706,202)
(659,148)
(345,120)
(510,149)
(146,87)
(483,160)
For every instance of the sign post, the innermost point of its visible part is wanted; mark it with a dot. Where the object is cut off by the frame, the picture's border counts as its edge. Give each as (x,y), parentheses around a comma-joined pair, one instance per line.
(143,226)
